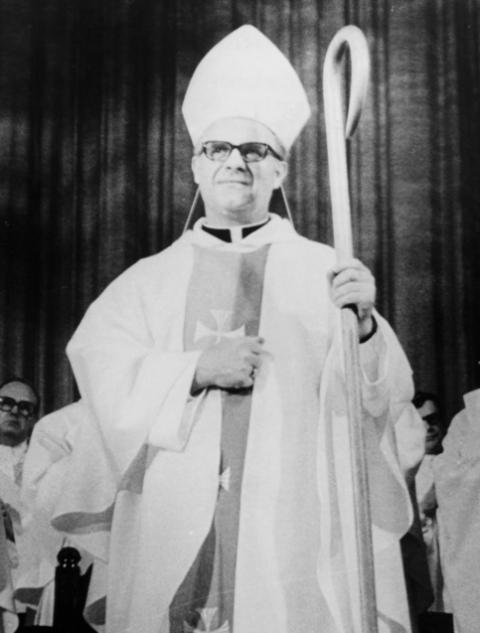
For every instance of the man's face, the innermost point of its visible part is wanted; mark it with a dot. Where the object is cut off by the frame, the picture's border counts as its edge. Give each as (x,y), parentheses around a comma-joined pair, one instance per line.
(433,427)
(236,192)
(16,427)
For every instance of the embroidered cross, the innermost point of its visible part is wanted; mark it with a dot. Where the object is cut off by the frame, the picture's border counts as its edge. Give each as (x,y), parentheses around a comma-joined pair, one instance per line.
(207,616)
(222,320)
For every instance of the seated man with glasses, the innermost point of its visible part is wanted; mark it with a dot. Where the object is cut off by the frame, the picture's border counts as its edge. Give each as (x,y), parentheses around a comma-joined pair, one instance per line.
(18,413)
(214,375)
(19,403)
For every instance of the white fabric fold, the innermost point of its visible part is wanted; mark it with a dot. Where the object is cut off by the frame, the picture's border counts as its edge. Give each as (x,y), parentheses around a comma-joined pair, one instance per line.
(457,486)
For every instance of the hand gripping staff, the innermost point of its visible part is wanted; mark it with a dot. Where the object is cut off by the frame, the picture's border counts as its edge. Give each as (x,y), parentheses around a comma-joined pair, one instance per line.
(338,130)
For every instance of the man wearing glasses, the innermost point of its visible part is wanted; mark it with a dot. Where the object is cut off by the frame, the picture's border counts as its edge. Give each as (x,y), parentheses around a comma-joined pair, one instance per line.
(214,373)
(18,413)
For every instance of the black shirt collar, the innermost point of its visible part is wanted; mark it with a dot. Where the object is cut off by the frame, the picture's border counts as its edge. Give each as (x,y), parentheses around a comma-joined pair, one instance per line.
(234,234)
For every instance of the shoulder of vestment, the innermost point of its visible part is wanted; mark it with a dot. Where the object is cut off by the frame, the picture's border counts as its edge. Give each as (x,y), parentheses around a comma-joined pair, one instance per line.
(310,248)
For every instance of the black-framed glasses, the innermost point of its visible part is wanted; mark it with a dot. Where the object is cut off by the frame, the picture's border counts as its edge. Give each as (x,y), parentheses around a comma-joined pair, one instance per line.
(219,151)
(25,408)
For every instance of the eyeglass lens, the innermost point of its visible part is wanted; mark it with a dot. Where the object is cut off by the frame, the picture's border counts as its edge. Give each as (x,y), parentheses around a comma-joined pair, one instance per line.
(24,407)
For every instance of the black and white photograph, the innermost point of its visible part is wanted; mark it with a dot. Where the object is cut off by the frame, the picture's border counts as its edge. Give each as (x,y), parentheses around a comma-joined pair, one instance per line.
(240,316)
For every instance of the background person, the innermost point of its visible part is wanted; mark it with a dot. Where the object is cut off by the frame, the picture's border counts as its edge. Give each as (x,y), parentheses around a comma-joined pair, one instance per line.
(457,485)
(19,403)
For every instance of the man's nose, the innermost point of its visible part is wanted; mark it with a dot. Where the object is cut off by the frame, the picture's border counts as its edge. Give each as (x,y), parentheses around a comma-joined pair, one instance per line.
(235,160)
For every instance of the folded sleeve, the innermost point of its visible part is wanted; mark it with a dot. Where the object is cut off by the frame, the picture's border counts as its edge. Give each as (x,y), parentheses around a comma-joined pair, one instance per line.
(133,380)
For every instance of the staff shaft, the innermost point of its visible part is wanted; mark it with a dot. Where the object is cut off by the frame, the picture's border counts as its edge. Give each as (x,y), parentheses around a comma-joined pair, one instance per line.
(337,130)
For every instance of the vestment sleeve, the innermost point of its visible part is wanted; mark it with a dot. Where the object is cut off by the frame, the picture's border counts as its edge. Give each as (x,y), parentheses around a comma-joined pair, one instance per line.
(457,483)
(386,396)
(387,387)
(136,384)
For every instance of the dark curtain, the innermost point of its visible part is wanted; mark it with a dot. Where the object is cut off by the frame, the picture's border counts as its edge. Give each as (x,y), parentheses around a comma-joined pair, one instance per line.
(95,162)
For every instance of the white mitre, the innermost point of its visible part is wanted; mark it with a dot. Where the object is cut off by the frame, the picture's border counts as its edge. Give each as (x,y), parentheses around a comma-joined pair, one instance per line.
(246,75)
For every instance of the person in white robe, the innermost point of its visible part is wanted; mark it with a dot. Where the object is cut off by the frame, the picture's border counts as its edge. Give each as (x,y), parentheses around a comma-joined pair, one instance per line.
(19,404)
(457,485)
(213,474)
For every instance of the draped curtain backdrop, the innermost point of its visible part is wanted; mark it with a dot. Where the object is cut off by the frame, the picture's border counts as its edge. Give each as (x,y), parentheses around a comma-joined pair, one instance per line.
(95,162)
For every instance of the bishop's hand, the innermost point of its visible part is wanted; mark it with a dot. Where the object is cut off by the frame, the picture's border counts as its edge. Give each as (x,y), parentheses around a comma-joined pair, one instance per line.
(352,283)
(229,364)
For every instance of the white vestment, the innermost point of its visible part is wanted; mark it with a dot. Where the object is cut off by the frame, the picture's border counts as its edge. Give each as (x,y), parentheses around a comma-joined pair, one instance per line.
(11,463)
(159,447)
(457,484)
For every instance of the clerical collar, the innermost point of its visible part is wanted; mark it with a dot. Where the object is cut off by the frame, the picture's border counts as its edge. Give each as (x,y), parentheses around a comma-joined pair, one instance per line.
(233,233)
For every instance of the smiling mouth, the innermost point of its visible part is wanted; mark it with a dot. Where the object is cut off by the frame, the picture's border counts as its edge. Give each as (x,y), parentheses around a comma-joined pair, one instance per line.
(233,182)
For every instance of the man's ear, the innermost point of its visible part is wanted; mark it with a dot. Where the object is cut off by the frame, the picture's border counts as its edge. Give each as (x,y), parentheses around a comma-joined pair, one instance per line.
(194,168)
(281,172)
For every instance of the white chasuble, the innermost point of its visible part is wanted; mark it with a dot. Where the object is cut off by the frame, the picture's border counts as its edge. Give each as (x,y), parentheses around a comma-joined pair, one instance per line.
(250,490)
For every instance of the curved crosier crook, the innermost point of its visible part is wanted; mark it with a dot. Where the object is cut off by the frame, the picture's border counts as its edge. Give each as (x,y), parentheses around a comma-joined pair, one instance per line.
(350,37)
(337,128)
